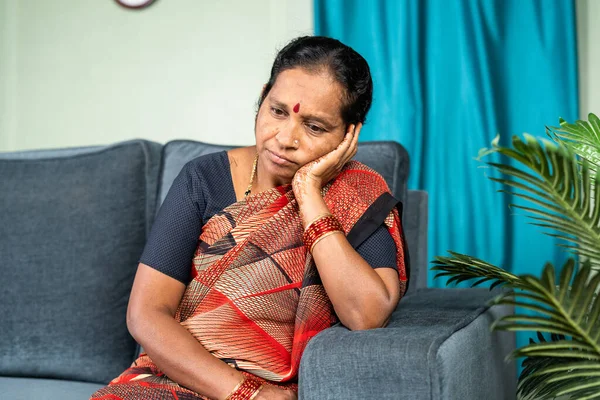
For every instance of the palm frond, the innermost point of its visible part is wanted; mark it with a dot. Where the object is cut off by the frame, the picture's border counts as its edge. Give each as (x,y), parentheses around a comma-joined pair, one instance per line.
(561,186)
(462,268)
(532,384)
(548,376)
(582,137)
(560,307)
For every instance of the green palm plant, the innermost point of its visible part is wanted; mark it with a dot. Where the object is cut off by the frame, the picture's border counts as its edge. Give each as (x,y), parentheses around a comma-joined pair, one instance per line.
(560,179)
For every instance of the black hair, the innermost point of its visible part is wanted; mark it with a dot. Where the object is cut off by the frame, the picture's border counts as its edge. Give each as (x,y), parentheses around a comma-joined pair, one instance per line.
(349,69)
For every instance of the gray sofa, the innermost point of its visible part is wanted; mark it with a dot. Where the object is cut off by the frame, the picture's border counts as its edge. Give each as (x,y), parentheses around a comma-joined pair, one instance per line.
(73,223)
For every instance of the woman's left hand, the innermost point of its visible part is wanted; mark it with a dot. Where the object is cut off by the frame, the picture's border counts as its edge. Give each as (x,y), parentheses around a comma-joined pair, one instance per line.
(315,174)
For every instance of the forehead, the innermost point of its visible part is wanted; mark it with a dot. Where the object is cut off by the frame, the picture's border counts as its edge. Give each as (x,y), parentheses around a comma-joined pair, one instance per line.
(315,91)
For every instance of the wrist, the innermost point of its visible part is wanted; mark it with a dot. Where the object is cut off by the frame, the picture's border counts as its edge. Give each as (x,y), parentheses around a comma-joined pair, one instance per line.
(322,227)
(311,208)
(306,190)
(247,389)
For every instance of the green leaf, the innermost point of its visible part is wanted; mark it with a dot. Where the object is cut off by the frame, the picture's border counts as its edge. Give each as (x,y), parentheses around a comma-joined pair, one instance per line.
(583,137)
(539,321)
(593,317)
(571,375)
(555,345)
(529,328)
(570,366)
(548,277)
(577,386)
(532,307)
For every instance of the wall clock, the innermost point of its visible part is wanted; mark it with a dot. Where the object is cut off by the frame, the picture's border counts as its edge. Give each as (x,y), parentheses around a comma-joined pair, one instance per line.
(135,4)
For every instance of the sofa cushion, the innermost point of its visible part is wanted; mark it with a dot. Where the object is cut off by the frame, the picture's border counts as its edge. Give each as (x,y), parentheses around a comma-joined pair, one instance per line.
(390,159)
(73,223)
(176,154)
(45,389)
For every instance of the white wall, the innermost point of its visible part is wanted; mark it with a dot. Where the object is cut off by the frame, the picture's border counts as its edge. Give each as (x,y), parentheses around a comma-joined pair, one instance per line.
(90,72)
(588,37)
(7,71)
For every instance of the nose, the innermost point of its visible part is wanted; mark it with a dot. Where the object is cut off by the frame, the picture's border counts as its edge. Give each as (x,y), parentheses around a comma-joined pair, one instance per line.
(286,137)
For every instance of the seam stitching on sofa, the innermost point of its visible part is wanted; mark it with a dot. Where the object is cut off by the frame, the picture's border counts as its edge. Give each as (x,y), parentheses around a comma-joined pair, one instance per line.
(435,346)
(101,149)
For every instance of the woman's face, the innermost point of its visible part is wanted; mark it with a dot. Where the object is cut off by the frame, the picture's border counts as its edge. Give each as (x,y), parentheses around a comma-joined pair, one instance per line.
(299,121)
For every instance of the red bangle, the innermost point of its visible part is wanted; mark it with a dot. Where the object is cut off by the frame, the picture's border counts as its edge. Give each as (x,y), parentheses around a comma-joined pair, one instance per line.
(247,390)
(320,228)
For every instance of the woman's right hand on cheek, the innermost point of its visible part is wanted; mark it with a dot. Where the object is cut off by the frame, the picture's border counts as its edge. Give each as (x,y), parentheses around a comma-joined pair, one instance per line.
(270,392)
(317,173)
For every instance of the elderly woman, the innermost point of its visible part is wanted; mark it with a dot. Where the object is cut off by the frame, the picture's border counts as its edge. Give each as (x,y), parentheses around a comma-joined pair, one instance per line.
(256,250)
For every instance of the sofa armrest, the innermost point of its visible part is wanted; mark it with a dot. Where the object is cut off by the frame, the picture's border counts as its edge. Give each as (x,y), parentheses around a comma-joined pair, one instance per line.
(415,222)
(438,345)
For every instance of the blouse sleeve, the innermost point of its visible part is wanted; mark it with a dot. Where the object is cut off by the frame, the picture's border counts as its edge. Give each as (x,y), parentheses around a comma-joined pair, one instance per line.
(174,235)
(379,249)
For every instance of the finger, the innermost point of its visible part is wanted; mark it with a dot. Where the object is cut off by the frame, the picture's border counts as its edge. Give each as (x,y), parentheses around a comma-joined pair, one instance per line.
(345,150)
(358,128)
(340,152)
(348,138)
(337,157)
(352,147)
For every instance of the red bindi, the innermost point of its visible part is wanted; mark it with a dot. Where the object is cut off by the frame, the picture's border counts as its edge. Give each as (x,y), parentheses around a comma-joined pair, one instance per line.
(297,108)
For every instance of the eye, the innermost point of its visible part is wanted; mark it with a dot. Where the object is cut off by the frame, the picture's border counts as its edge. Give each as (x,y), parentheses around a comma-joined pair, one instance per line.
(315,128)
(278,112)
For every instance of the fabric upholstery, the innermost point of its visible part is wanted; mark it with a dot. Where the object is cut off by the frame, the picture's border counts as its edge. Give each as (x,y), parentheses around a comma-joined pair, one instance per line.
(45,389)
(175,155)
(73,225)
(391,160)
(486,369)
(413,358)
(48,153)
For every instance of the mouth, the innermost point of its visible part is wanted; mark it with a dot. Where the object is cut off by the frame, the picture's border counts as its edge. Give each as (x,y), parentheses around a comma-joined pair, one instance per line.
(279,159)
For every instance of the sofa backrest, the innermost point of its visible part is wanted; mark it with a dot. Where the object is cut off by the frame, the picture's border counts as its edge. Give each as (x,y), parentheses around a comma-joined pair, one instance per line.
(72,225)
(390,159)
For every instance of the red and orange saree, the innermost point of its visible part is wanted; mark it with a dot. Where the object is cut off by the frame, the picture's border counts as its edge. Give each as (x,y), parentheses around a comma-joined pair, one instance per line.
(254,280)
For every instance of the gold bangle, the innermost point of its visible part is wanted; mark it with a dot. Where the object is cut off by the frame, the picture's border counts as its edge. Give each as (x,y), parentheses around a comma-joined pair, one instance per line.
(235,388)
(318,217)
(256,393)
(323,236)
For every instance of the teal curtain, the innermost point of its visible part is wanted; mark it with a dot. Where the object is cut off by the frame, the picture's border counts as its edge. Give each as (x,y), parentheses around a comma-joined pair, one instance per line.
(449,76)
